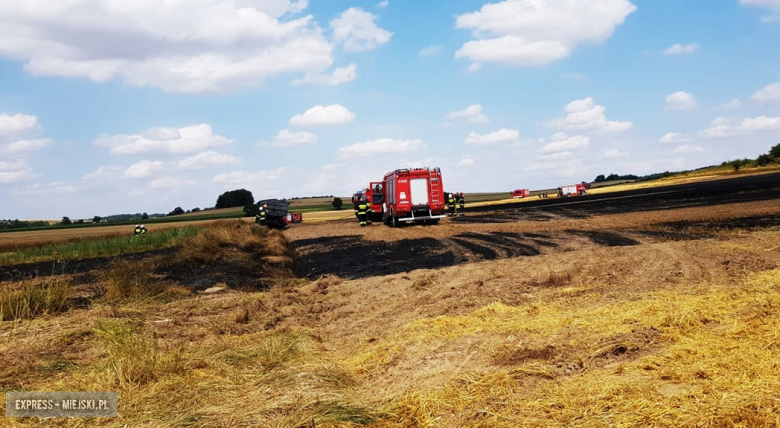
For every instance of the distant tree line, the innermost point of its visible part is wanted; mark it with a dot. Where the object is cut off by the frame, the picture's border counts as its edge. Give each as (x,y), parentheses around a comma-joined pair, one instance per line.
(19,224)
(613,177)
(772,157)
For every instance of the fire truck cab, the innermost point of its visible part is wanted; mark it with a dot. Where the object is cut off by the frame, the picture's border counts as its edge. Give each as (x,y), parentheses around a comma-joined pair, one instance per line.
(520,193)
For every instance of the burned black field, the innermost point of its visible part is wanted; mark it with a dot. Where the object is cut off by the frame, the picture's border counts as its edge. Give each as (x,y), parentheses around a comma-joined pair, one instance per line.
(351,256)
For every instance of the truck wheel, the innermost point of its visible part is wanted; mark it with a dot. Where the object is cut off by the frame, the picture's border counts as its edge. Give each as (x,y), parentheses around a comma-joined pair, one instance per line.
(393,220)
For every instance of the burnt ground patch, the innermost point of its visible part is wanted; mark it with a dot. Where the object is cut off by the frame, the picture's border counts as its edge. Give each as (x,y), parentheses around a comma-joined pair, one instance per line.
(605,238)
(351,257)
(82,266)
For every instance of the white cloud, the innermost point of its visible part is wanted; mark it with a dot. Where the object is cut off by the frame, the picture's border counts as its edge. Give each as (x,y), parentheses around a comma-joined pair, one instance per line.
(339,76)
(586,115)
(473,67)
(557,156)
(189,139)
(685,148)
(501,136)
(472,112)
(206,159)
(761,123)
(430,50)
(26,145)
(144,169)
(285,138)
(18,125)
(542,166)
(614,154)
(356,30)
(13,171)
(562,142)
(323,115)
(678,49)
(183,46)
(680,101)
(535,33)
(383,3)
(724,128)
(380,146)
(673,137)
(104,174)
(735,103)
(242,177)
(768,94)
(172,182)
(465,162)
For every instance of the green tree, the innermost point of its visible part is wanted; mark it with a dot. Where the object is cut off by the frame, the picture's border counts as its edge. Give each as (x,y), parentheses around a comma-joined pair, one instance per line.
(145,216)
(195,210)
(251,210)
(235,198)
(337,203)
(765,160)
(599,178)
(775,151)
(66,220)
(176,211)
(96,219)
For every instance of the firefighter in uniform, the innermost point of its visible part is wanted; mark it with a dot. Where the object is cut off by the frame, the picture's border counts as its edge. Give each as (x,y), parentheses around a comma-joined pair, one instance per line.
(462,204)
(260,218)
(361,213)
(137,230)
(143,230)
(451,205)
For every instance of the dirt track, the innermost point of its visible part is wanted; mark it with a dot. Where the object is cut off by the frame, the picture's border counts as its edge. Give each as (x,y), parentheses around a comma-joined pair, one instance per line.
(534,227)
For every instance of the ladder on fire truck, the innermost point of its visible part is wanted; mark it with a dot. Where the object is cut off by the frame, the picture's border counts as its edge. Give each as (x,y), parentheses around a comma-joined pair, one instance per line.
(434,188)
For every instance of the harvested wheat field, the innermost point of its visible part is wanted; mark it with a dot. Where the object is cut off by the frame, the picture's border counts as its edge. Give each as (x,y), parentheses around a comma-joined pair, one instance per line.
(651,307)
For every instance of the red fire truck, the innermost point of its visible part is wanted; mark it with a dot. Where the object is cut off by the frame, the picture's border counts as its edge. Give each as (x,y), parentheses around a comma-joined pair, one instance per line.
(413,195)
(573,189)
(520,193)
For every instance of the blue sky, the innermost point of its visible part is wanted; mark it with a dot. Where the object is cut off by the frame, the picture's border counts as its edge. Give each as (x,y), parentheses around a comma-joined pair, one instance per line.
(109,106)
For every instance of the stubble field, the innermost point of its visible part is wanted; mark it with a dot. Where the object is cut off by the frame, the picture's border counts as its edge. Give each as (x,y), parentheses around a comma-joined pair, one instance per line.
(654,307)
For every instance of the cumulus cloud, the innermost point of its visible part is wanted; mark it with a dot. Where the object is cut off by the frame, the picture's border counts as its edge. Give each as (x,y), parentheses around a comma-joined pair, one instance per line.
(472,112)
(430,50)
(586,115)
(356,31)
(735,103)
(465,162)
(562,142)
(536,33)
(680,101)
(206,159)
(673,137)
(144,169)
(557,156)
(339,76)
(164,141)
(13,171)
(383,3)
(724,128)
(188,47)
(285,138)
(334,114)
(768,94)
(678,49)
(18,125)
(380,146)
(26,145)
(501,136)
